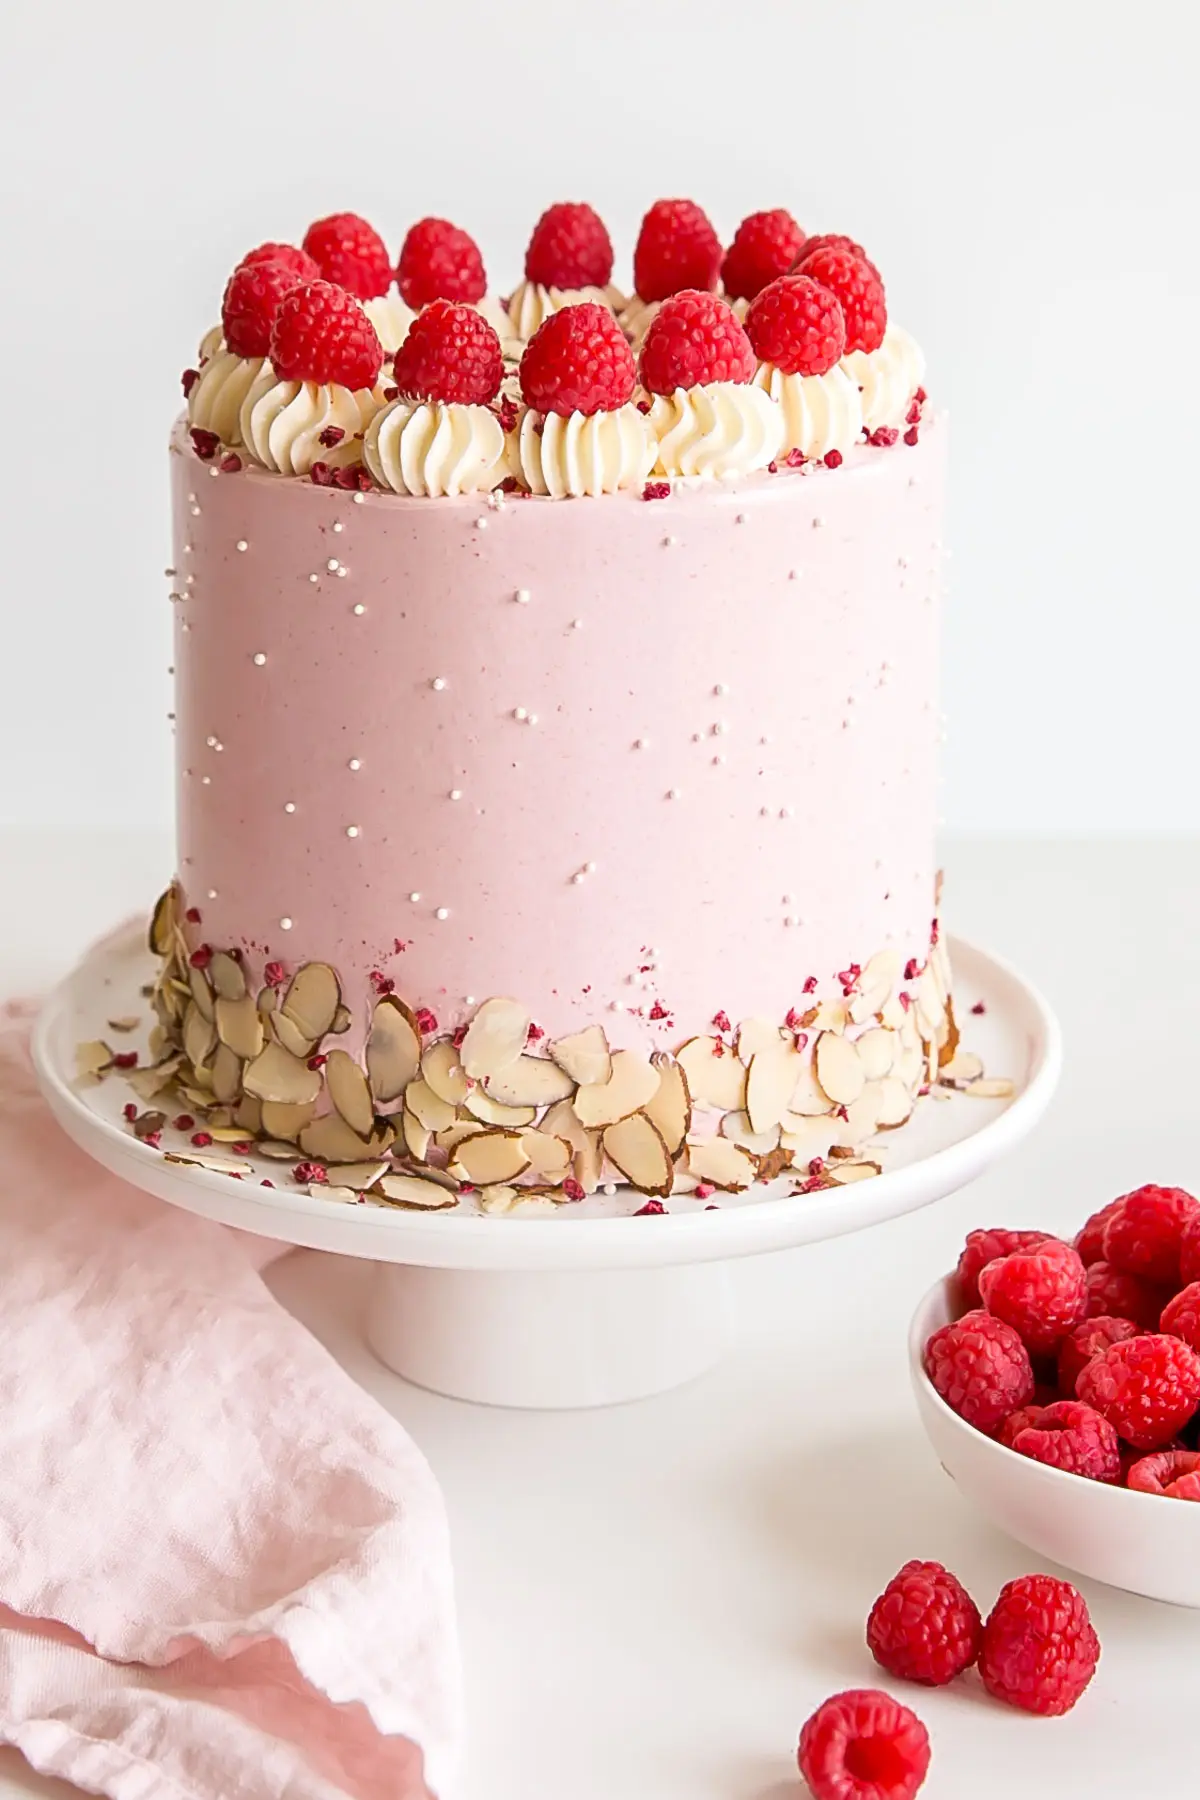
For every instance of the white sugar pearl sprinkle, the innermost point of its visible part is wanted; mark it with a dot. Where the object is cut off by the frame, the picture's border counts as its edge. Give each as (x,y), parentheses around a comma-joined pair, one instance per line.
(590,867)
(522,596)
(576,624)
(414,898)
(360,499)
(289,806)
(206,781)
(338,526)
(242,544)
(672,793)
(438,684)
(212,893)
(314,579)
(720,689)
(577,877)
(259,659)
(719,728)
(360,609)
(354,763)
(456,793)
(520,714)
(481,524)
(443,912)
(285,924)
(333,565)
(352,831)
(640,743)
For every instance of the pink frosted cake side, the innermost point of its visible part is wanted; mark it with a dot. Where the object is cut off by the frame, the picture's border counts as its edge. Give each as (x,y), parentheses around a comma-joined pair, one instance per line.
(529,844)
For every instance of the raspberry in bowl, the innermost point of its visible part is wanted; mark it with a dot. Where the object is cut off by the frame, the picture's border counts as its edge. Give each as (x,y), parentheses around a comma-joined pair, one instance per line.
(1076,1435)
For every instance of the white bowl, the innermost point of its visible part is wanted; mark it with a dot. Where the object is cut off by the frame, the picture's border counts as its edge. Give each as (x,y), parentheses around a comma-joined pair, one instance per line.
(1141,1542)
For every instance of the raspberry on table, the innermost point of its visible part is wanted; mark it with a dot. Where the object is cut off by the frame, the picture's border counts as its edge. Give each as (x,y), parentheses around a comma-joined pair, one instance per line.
(857,285)
(1144,1236)
(676,248)
(451,354)
(986,1245)
(321,334)
(1175,1473)
(298,261)
(438,261)
(570,248)
(1089,1340)
(1181,1316)
(1146,1387)
(577,361)
(350,253)
(981,1369)
(1039,1648)
(797,325)
(1089,1241)
(252,296)
(765,245)
(863,1745)
(1124,1296)
(1040,1292)
(694,339)
(924,1626)
(1066,1435)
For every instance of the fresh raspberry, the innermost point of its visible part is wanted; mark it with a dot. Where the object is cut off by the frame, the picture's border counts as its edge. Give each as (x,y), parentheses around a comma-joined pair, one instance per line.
(694,338)
(321,334)
(570,248)
(1089,1340)
(980,1368)
(1067,1436)
(451,353)
(1090,1240)
(440,262)
(1166,1472)
(858,287)
(350,253)
(986,1245)
(1145,1233)
(924,1626)
(1039,1648)
(797,324)
(1041,1293)
(1147,1388)
(831,240)
(252,296)
(677,248)
(299,262)
(1124,1296)
(863,1745)
(764,246)
(577,361)
(1181,1316)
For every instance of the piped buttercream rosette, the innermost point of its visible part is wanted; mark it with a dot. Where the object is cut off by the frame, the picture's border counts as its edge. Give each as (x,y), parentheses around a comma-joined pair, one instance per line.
(580,433)
(707,418)
(439,436)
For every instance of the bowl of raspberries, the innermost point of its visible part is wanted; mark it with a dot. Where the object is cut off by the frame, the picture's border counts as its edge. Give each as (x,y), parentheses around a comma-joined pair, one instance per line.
(1059,1383)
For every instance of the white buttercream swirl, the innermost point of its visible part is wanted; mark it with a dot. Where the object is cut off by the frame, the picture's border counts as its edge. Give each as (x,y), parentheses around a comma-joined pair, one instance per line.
(820,412)
(212,341)
(723,428)
(428,448)
(391,318)
(215,401)
(530,304)
(888,377)
(281,422)
(594,453)
(636,317)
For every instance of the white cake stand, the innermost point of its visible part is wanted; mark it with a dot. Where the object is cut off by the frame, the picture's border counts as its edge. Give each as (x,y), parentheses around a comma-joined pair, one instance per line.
(588,1304)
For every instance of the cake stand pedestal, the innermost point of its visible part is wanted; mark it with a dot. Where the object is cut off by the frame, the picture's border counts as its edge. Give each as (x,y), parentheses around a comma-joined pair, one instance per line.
(589,1304)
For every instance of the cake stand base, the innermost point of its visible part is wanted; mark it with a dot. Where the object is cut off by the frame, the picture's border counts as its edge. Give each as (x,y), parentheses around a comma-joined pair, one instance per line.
(549,1339)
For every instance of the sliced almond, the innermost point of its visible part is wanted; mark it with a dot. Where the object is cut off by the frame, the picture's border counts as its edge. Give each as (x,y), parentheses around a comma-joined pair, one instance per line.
(873,989)
(964,1066)
(829,1015)
(226,1074)
(495,1038)
(349,1092)
(737,1128)
(412,1191)
(669,1108)
(492,1156)
(754,1035)
(993,1087)
(227,976)
(93,1058)
(771,1082)
(127,1022)
(341,1021)
(844,1173)
(806,1138)
(148,1082)
(684,1181)
(724,1164)
(632,1083)
(248,1116)
(531,1081)
(220,1165)
(433,1112)
(715,1076)
(894,1014)
(330,1140)
(894,1106)
(877,1051)
(199,1036)
(910,1067)
(276,1149)
(287,1033)
(444,1073)
(549,1157)
(225,1134)
(268,1000)
(839,1069)
(635,1146)
(361,1175)
(776,1162)
(462,1128)
(416,1136)
(202,993)
(861,1119)
(584,1056)
(163,921)
(275,1074)
(499,1198)
(588,1157)
(239,1026)
(809,1098)
(393,1049)
(285,1119)
(480,1105)
(312,1000)
(588,1162)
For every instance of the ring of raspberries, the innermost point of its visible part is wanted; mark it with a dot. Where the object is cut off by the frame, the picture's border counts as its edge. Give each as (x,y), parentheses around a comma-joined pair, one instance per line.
(1085,1356)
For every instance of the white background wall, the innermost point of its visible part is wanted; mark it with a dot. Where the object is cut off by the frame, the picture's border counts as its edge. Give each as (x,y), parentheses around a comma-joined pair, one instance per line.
(1024,171)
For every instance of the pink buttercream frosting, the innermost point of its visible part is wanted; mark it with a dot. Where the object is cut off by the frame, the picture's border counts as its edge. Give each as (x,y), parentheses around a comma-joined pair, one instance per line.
(692,743)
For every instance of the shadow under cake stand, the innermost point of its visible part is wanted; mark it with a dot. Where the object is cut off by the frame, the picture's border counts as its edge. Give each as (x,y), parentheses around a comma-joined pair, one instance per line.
(588,1304)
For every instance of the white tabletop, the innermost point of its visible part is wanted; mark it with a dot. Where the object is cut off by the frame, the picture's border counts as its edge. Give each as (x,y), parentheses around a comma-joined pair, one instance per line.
(654,1597)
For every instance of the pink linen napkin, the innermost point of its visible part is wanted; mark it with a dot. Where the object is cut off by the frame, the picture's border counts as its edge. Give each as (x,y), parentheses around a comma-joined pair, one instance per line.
(224,1570)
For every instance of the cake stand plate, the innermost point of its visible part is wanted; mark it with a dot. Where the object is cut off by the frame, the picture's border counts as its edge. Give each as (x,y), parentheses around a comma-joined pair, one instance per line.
(588,1304)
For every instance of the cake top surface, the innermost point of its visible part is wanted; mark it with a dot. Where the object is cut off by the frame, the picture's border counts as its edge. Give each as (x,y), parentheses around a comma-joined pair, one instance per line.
(334,364)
